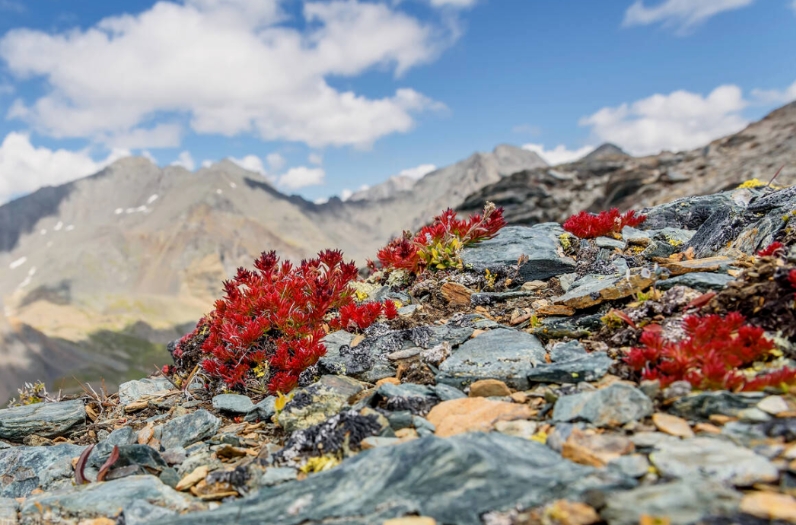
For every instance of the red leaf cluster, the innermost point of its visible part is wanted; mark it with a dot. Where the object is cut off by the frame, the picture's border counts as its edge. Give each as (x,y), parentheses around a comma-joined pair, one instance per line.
(709,357)
(792,278)
(775,248)
(588,225)
(411,252)
(275,315)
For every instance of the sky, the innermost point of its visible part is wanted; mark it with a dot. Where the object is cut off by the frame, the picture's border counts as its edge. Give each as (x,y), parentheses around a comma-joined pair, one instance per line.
(326,97)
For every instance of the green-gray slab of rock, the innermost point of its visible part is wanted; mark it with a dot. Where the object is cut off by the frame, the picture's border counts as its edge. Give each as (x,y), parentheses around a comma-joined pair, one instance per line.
(667,241)
(688,213)
(702,281)
(264,410)
(188,429)
(97,500)
(23,469)
(716,459)
(430,476)
(540,243)
(507,355)
(43,419)
(234,403)
(590,367)
(135,390)
(318,402)
(607,242)
(610,406)
(682,502)
(705,404)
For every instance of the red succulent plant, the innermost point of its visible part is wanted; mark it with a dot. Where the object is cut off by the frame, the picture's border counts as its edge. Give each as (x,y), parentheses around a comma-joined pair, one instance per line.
(588,225)
(776,248)
(710,356)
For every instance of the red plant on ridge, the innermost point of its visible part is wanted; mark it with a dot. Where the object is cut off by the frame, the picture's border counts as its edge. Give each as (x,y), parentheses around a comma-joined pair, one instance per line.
(775,248)
(792,278)
(588,225)
(437,245)
(710,357)
(270,322)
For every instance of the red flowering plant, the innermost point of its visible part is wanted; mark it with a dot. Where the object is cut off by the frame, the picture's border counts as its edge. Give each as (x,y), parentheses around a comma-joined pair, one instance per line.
(438,245)
(607,223)
(710,356)
(776,248)
(269,324)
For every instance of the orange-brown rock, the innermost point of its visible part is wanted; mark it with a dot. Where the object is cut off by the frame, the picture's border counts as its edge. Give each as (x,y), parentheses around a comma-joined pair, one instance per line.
(489,388)
(456,294)
(595,450)
(473,414)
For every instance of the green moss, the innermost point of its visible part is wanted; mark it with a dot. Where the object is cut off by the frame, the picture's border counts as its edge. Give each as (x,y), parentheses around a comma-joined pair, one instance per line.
(565,242)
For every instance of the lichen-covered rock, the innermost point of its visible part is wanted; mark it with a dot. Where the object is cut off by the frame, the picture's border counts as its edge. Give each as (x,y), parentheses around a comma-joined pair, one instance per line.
(428,476)
(188,429)
(539,243)
(613,405)
(702,281)
(507,355)
(233,403)
(42,419)
(135,390)
(314,404)
(23,469)
(705,404)
(100,500)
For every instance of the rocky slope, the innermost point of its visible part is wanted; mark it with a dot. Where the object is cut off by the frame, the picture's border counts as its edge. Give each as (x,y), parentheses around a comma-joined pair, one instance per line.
(510,397)
(124,258)
(609,178)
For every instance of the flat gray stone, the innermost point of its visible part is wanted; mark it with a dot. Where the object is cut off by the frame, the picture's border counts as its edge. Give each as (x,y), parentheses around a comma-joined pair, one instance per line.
(234,403)
(716,459)
(631,465)
(610,406)
(507,355)
(278,475)
(97,500)
(121,436)
(682,502)
(188,429)
(571,364)
(540,243)
(702,281)
(23,469)
(705,404)
(428,476)
(264,410)
(140,512)
(608,242)
(667,241)
(446,392)
(135,390)
(44,419)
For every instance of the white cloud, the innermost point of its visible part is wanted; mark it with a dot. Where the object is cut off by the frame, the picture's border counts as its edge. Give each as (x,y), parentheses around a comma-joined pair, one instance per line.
(147,155)
(24,167)
(677,121)
(231,66)
(315,158)
(251,163)
(776,96)
(301,177)
(185,160)
(275,161)
(418,172)
(346,194)
(453,3)
(321,200)
(207,163)
(682,14)
(160,136)
(560,154)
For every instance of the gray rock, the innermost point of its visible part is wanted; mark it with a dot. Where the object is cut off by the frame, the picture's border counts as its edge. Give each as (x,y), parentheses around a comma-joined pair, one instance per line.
(400,419)
(234,403)
(613,405)
(589,285)
(753,415)
(667,241)
(423,426)
(429,476)
(44,419)
(264,410)
(567,280)
(121,436)
(607,242)
(540,243)
(572,327)
(140,512)
(631,465)
(278,475)
(446,392)
(702,281)
(23,469)
(8,511)
(135,390)
(743,433)
(571,364)
(408,310)
(507,355)
(417,399)
(682,502)
(186,430)
(716,459)
(705,404)
(719,230)
(100,500)
(688,213)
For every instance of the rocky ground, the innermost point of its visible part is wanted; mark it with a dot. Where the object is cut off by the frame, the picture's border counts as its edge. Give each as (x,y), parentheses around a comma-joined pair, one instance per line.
(502,394)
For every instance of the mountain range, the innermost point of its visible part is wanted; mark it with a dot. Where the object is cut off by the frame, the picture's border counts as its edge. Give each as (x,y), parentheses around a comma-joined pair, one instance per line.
(98,274)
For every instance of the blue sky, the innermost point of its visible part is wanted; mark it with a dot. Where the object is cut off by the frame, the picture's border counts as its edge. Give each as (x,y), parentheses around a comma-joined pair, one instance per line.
(327,96)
